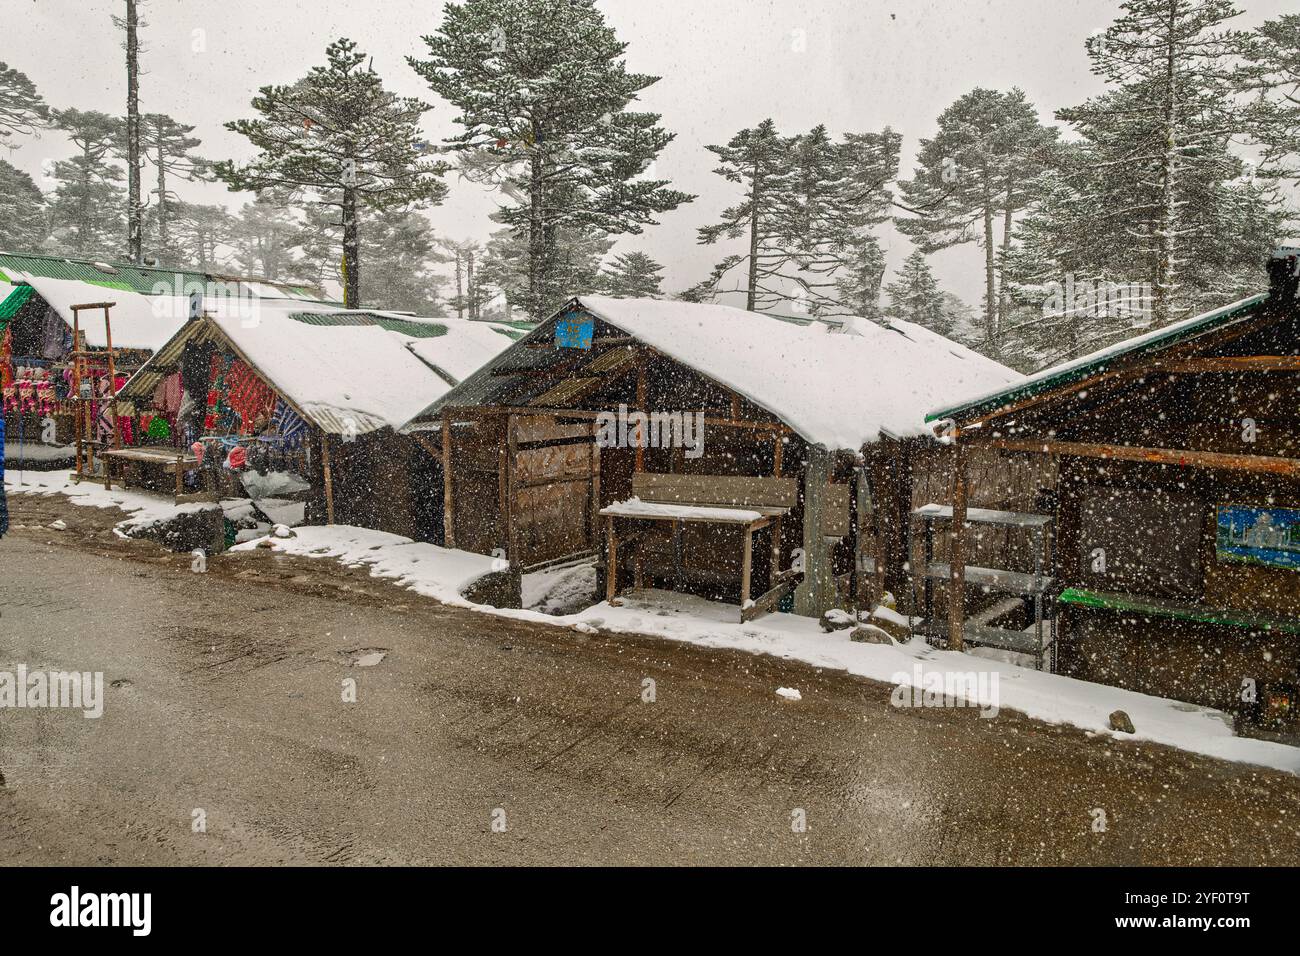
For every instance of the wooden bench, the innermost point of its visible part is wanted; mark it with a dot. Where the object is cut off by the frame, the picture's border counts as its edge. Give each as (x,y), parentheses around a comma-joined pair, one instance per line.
(167,460)
(749,503)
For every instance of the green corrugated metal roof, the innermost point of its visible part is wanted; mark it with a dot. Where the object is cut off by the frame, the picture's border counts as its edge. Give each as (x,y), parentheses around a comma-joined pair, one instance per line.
(14,301)
(1089,366)
(416,330)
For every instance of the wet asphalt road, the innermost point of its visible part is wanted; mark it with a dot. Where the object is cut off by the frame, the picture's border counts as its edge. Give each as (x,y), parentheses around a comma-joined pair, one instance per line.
(227,699)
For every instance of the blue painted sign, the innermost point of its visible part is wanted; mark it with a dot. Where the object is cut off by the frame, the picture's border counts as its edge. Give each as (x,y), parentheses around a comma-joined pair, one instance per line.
(1260,536)
(574,331)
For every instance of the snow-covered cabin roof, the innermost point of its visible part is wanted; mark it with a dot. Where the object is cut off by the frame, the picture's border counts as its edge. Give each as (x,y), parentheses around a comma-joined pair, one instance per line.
(1096,363)
(841,390)
(345,378)
(139,321)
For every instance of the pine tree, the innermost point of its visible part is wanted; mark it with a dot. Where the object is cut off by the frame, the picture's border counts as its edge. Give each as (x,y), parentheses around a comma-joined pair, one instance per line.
(758,159)
(87,211)
(544,96)
(1161,134)
(633,275)
(402,253)
(263,238)
(168,146)
(575,258)
(202,235)
(972,176)
(22,110)
(465,257)
(130,25)
(23,223)
(860,282)
(915,296)
(808,206)
(1272,71)
(343,140)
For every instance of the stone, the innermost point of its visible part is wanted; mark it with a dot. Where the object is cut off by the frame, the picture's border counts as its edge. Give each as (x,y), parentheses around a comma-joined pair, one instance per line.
(870,634)
(836,620)
(1119,721)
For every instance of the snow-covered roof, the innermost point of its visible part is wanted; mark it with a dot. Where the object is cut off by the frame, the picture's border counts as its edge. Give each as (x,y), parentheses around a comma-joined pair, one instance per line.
(1096,362)
(139,321)
(841,390)
(466,347)
(348,378)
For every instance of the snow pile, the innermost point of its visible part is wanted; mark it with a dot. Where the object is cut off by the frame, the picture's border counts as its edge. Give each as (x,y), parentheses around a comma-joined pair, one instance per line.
(425,568)
(146,509)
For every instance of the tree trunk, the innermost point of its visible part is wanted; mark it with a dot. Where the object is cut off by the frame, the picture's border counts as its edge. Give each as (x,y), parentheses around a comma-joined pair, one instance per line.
(751,285)
(1004,304)
(536,238)
(164,237)
(1165,240)
(135,243)
(351,251)
(471,289)
(990,268)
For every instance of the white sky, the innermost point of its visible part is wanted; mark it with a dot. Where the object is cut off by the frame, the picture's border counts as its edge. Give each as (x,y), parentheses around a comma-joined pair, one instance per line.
(726,64)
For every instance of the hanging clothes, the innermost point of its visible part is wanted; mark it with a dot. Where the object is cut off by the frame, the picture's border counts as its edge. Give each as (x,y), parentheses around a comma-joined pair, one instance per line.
(288,426)
(4,505)
(250,397)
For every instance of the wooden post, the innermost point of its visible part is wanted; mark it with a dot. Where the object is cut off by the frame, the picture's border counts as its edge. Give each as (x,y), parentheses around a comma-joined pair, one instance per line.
(180,475)
(778,439)
(328,477)
(595,494)
(816,593)
(611,560)
(776,551)
(641,407)
(448,514)
(514,551)
(746,566)
(957,584)
(112,384)
(77,405)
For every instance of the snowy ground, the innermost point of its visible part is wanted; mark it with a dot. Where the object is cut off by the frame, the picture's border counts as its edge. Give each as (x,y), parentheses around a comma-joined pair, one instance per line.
(445,575)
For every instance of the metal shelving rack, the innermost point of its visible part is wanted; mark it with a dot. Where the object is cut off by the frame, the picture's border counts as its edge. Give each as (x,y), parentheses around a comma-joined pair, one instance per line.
(1035,586)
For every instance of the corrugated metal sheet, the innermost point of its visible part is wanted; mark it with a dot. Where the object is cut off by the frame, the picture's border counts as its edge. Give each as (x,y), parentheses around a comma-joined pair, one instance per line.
(411,327)
(13,302)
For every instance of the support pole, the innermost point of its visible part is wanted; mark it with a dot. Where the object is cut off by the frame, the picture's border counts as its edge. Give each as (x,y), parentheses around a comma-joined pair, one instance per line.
(329,478)
(957,584)
(611,560)
(448,515)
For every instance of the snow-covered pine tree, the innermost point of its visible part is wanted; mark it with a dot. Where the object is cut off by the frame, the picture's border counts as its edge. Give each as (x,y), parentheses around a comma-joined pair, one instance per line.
(915,297)
(88,207)
(341,139)
(23,223)
(758,159)
(574,258)
(264,235)
(1159,140)
(167,146)
(22,109)
(808,206)
(402,252)
(1272,71)
(861,278)
(633,275)
(830,197)
(972,178)
(544,96)
(202,235)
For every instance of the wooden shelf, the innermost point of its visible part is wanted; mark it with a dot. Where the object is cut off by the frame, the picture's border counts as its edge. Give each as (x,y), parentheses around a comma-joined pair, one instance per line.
(1017,582)
(986,516)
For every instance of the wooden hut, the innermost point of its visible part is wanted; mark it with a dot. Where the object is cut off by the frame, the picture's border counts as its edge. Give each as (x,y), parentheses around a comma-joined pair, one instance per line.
(311,395)
(698,448)
(1175,503)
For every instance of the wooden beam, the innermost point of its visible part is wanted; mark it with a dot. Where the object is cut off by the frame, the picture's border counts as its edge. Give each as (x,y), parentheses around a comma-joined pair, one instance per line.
(746,566)
(513,553)
(1222,461)
(641,406)
(448,504)
(957,581)
(1211,364)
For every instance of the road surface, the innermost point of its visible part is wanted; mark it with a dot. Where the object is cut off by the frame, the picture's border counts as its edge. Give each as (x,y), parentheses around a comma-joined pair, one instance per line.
(477,740)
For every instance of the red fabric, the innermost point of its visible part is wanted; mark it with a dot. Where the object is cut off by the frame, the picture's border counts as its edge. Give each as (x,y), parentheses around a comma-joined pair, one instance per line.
(248,395)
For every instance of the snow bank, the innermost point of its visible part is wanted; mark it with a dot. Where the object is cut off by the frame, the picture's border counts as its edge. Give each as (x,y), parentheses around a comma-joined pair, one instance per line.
(145,509)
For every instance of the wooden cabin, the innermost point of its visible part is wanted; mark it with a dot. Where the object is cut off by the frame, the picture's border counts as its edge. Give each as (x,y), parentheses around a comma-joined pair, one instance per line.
(1174,465)
(698,448)
(309,395)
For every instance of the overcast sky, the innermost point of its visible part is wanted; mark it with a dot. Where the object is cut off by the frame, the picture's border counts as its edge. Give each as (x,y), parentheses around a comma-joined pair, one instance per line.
(854,65)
